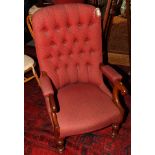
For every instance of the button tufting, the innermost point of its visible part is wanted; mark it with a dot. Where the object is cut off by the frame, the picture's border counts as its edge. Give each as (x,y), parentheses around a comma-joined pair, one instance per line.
(92,51)
(81,51)
(90,23)
(56,27)
(60,55)
(64,41)
(75,40)
(88,64)
(79,24)
(52,43)
(86,39)
(68,25)
(70,53)
(43,28)
(48,56)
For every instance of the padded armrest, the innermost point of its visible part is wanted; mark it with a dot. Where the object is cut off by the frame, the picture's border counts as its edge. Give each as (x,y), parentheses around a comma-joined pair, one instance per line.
(46,85)
(110,73)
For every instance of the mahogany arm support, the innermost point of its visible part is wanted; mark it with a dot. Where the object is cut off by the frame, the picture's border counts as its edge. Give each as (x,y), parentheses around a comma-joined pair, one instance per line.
(53,116)
(46,85)
(115,78)
(48,93)
(52,103)
(47,90)
(52,110)
(110,73)
(119,87)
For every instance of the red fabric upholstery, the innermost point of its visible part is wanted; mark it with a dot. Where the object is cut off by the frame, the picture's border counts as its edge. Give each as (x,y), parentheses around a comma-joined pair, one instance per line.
(69,49)
(84,108)
(110,73)
(68,43)
(46,85)
(67,1)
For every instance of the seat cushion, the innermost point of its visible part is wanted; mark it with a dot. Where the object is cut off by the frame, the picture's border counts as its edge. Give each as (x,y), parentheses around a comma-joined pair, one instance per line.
(84,108)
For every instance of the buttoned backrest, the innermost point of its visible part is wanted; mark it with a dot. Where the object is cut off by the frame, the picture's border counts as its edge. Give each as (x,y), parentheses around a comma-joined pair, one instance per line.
(68,43)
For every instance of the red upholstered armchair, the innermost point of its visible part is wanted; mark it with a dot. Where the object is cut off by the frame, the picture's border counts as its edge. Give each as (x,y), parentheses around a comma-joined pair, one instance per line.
(69,50)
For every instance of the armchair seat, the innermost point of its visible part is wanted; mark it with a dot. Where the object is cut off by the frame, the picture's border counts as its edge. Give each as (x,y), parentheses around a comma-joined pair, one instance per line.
(82,109)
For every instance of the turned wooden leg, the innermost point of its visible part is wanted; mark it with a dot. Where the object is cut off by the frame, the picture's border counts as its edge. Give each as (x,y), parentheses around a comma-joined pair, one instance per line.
(115,129)
(60,145)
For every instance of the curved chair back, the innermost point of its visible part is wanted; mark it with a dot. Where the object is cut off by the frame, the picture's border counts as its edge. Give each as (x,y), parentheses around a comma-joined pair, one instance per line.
(29,24)
(69,49)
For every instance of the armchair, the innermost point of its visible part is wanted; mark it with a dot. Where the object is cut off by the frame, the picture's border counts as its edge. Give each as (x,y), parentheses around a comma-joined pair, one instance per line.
(69,50)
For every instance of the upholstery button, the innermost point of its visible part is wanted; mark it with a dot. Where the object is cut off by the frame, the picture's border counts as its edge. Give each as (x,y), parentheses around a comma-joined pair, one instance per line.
(43,28)
(64,41)
(79,24)
(81,51)
(52,43)
(92,51)
(48,56)
(88,64)
(56,27)
(59,55)
(86,39)
(90,22)
(70,53)
(75,40)
(68,25)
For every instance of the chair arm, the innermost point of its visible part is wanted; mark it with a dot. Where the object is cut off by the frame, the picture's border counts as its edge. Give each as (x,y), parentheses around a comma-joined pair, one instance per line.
(52,110)
(46,85)
(119,87)
(48,93)
(52,103)
(111,74)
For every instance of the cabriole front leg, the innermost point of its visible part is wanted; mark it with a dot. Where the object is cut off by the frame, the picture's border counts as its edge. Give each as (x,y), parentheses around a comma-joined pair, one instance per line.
(118,88)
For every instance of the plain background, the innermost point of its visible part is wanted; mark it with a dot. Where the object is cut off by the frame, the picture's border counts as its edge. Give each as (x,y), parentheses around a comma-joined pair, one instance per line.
(12,77)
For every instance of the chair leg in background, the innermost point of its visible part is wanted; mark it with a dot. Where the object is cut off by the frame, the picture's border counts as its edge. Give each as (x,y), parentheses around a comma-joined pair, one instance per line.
(115,129)
(35,75)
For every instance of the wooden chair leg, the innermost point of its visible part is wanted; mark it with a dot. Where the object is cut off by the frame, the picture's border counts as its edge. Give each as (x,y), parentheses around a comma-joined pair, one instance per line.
(35,75)
(60,145)
(115,129)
